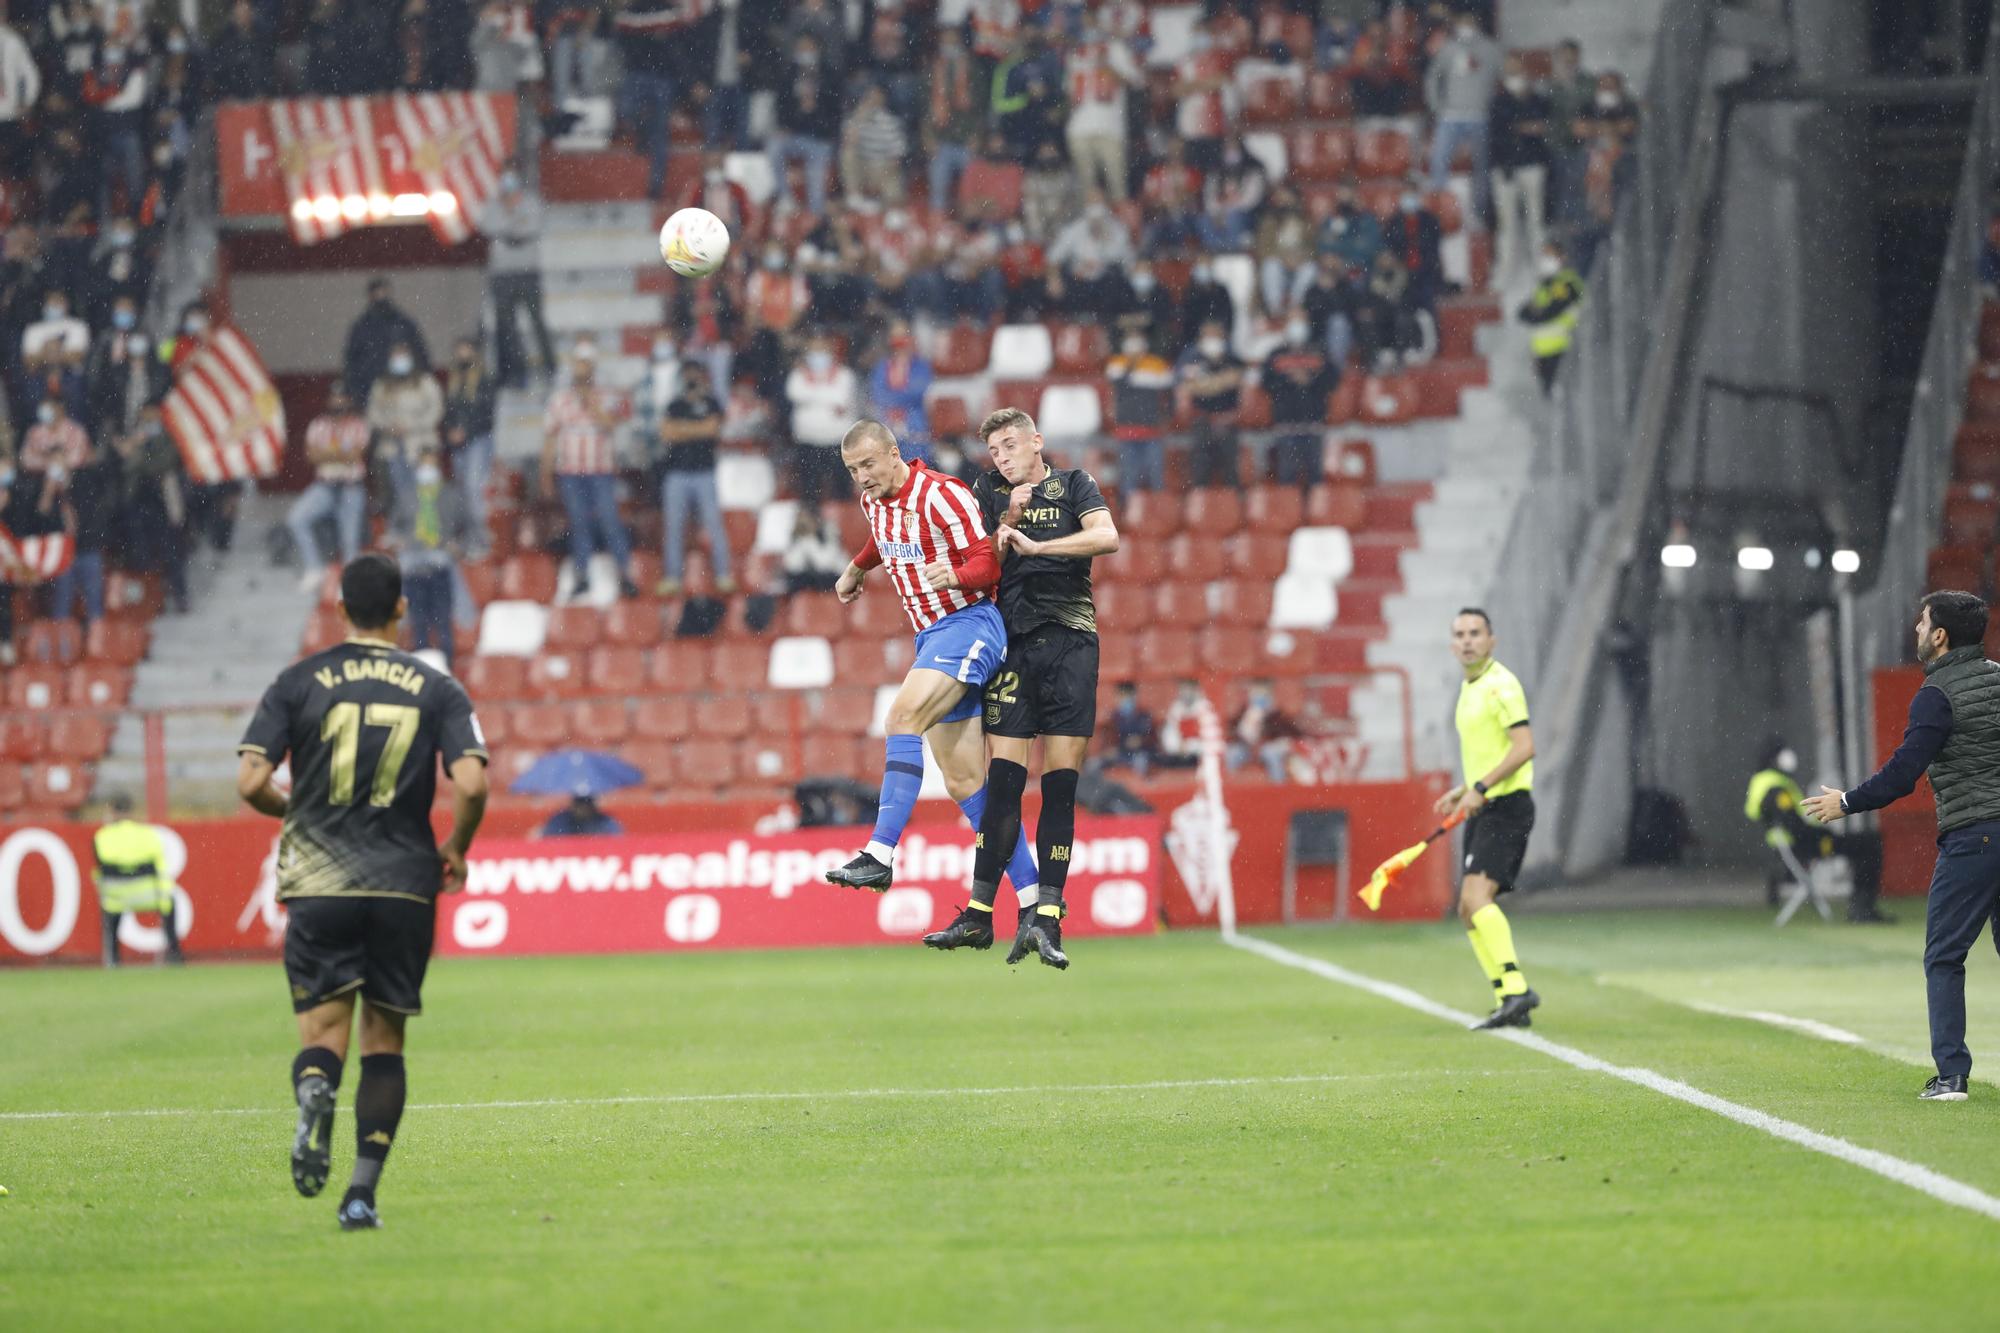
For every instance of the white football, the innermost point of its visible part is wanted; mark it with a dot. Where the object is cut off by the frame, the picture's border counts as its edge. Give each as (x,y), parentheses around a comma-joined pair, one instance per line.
(694,242)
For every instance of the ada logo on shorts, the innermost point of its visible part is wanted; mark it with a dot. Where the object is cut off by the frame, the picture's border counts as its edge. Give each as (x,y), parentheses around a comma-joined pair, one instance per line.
(993,715)
(1053,487)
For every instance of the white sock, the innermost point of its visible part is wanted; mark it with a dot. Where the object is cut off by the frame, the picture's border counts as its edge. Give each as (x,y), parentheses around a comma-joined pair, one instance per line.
(882,852)
(1029,895)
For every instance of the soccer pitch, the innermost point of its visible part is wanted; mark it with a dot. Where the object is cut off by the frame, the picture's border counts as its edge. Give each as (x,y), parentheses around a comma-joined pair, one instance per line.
(1173,1134)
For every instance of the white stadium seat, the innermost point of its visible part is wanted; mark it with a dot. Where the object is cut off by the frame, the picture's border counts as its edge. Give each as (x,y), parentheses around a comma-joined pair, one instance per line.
(1172,30)
(1070,412)
(753,172)
(1238,276)
(1303,601)
(774,527)
(1268,147)
(744,481)
(1326,553)
(513,629)
(1021,352)
(801,663)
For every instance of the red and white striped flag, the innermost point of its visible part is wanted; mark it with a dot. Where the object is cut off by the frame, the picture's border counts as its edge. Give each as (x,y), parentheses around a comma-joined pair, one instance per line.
(224,412)
(328,156)
(457,149)
(33,559)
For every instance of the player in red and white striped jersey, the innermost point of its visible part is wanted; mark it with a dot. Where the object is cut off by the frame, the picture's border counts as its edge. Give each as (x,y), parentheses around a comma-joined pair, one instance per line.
(927,529)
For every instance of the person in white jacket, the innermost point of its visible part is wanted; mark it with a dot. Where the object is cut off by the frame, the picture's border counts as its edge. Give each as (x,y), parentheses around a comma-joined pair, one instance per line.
(20,85)
(825,398)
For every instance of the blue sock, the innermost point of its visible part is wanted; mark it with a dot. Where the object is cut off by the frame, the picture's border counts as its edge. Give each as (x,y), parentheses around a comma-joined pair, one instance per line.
(1021,866)
(902,778)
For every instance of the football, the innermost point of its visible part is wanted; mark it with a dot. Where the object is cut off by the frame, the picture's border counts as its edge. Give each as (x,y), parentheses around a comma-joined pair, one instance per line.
(694,242)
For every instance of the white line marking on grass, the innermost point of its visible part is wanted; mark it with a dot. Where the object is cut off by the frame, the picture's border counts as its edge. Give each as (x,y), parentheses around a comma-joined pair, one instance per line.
(828,1094)
(1920,1178)
(1812,1027)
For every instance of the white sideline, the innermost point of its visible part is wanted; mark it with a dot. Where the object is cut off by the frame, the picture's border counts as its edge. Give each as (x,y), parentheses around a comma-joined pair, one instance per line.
(1920,1178)
(829,1094)
(1812,1027)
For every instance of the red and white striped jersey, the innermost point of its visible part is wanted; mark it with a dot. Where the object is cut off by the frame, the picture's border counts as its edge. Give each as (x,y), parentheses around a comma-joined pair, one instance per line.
(579,419)
(345,439)
(934,517)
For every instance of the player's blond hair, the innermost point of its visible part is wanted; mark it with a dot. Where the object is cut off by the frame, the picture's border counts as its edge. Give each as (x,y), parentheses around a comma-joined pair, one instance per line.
(1001,418)
(866,429)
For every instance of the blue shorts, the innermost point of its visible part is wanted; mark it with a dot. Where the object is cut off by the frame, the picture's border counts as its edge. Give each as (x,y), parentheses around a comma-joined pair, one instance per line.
(968,646)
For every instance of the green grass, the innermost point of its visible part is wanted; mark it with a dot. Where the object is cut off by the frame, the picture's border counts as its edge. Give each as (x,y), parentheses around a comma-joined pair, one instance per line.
(1410,1175)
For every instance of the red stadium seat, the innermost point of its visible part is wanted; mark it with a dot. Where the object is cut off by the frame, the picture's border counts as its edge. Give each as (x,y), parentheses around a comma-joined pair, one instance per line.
(324,628)
(1118,656)
(680,666)
(1976,452)
(740,666)
(1274,508)
(1327,95)
(529,578)
(1337,504)
(35,687)
(1164,653)
(708,763)
(1137,560)
(541,726)
(23,737)
(1970,516)
(1213,512)
(79,737)
(60,786)
(1321,153)
(859,661)
(655,759)
(1382,154)
(822,615)
(52,643)
(1271,102)
(1450,212)
(632,624)
(1353,461)
(998,184)
(137,596)
(598,723)
(1080,349)
(1179,605)
(1124,607)
(619,672)
(1229,650)
(98,685)
(663,719)
(1195,556)
(853,526)
(118,642)
(726,716)
(1240,601)
(482,580)
(948,417)
(556,675)
(1256,556)
(879,615)
(1149,514)
(828,755)
(496,722)
(13,788)
(1957,567)
(497,678)
(963,350)
(1254,408)
(574,628)
(1982,394)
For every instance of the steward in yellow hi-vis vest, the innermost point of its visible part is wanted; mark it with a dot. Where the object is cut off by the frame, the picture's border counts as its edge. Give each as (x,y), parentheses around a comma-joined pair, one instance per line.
(1551,313)
(131,876)
(1772,802)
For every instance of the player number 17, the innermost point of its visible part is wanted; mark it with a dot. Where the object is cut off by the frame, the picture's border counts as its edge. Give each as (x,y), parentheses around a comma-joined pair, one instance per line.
(343,727)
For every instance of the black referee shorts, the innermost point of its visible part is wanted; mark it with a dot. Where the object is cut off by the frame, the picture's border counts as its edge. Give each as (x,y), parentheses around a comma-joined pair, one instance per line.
(1496,839)
(377,946)
(1048,686)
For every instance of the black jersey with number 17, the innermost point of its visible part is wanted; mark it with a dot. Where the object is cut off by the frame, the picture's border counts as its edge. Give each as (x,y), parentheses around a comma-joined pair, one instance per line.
(364,725)
(1045,589)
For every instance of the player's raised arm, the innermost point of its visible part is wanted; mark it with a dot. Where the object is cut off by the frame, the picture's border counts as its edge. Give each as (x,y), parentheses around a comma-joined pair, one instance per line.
(848,586)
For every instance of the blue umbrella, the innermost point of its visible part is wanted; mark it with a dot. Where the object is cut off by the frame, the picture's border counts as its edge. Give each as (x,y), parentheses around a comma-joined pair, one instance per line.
(576,773)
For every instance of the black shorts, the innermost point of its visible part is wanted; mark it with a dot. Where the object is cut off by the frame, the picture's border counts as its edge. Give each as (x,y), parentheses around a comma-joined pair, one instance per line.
(1048,686)
(378,946)
(1496,839)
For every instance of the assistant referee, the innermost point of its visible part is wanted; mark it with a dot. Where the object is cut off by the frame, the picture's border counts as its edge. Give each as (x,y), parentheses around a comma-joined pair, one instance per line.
(1954,736)
(1497,751)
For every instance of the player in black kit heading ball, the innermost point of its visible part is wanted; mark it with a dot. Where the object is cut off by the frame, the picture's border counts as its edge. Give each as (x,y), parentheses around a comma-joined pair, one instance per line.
(1048,524)
(359,869)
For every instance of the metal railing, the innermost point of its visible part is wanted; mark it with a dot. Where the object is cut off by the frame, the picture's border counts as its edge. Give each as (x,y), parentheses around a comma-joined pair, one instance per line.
(1951,349)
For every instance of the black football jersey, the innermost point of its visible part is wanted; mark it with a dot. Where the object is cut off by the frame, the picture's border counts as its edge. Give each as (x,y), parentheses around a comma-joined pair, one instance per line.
(365,726)
(1045,589)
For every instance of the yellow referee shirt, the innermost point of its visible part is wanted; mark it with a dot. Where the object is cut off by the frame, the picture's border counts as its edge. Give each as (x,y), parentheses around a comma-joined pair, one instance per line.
(1490,706)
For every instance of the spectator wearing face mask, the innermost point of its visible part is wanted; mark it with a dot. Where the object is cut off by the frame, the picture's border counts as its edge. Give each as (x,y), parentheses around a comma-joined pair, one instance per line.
(405,409)
(1262,731)
(115,88)
(580,463)
(427,540)
(1135,734)
(337,448)
(1085,256)
(1049,196)
(1415,236)
(662,42)
(1458,91)
(896,389)
(808,124)
(1211,382)
(122,374)
(505,53)
(1206,301)
(825,400)
(152,509)
(1551,313)
(1283,249)
(242,61)
(1351,232)
(1299,379)
(1518,127)
(512,223)
(469,398)
(1149,312)
(379,327)
(872,147)
(1570,90)
(117,270)
(1181,729)
(1232,196)
(91,494)
(1206,93)
(689,432)
(1142,408)
(57,338)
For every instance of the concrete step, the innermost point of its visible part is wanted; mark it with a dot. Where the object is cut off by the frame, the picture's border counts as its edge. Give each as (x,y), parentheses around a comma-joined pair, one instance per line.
(606,316)
(599,247)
